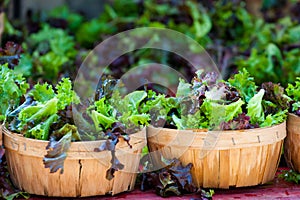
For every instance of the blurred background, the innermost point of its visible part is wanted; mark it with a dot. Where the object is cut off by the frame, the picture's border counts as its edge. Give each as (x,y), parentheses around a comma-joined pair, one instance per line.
(262,36)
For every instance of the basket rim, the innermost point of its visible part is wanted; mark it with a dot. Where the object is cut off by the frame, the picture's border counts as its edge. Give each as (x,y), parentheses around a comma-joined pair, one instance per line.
(198,131)
(293,115)
(7,132)
(220,140)
(17,142)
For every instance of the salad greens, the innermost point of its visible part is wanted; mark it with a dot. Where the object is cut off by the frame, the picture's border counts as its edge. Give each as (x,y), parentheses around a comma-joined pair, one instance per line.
(12,88)
(41,117)
(208,103)
(255,108)
(115,118)
(159,107)
(35,120)
(51,50)
(173,179)
(290,176)
(244,84)
(293,92)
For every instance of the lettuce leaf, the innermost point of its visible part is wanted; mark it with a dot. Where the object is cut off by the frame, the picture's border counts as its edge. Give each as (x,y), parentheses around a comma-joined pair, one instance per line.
(191,121)
(174,179)
(101,120)
(34,119)
(103,107)
(274,93)
(57,153)
(65,95)
(275,119)
(293,92)
(217,113)
(255,108)
(12,87)
(242,121)
(244,83)
(139,119)
(36,114)
(183,89)
(42,93)
(41,131)
(133,100)
(159,107)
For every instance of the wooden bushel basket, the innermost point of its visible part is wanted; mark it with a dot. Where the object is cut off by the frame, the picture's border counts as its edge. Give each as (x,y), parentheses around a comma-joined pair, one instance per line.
(222,159)
(84,170)
(292,142)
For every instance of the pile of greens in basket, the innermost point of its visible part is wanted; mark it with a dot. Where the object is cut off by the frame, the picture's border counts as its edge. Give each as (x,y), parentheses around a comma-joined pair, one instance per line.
(12,88)
(293,92)
(209,103)
(47,114)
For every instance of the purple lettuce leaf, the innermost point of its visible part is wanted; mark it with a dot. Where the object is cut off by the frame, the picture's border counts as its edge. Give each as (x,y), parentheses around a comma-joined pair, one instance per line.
(274,93)
(57,153)
(242,121)
(113,135)
(174,179)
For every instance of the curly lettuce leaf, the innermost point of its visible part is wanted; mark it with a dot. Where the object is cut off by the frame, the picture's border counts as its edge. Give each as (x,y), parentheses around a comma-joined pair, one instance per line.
(255,108)
(191,121)
(66,129)
(103,107)
(217,113)
(159,107)
(34,119)
(42,93)
(12,87)
(242,121)
(174,179)
(274,93)
(129,107)
(294,90)
(275,119)
(113,137)
(65,95)
(203,82)
(58,147)
(244,83)
(101,120)
(140,119)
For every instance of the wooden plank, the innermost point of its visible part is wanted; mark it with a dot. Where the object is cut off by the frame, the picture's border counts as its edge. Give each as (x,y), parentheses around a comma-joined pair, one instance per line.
(225,175)
(211,169)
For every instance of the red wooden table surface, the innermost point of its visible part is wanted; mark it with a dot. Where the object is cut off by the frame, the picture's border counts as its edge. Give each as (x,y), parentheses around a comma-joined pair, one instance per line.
(277,189)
